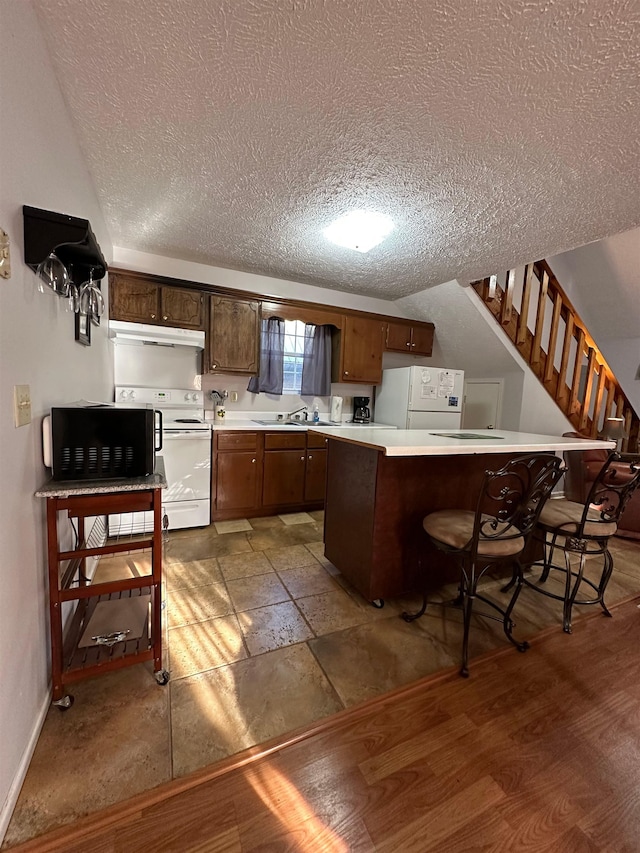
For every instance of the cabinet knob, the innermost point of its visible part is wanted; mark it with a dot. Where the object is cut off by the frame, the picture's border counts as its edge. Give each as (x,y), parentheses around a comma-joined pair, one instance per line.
(310,456)
(165,316)
(412,345)
(153,316)
(253,460)
(214,365)
(408,343)
(346,373)
(302,458)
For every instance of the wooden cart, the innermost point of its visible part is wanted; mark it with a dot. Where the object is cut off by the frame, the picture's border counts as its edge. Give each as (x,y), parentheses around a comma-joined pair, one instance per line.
(73,658)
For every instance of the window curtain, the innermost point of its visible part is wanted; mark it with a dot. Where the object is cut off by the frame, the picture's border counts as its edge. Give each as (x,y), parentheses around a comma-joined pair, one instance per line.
(316,368)
(269,379)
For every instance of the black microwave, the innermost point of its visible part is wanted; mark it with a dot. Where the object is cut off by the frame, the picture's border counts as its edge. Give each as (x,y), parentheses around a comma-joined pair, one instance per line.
(101,442)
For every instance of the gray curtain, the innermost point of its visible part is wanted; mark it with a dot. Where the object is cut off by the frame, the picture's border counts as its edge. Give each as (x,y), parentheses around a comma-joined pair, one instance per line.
(269,380)
(316,367)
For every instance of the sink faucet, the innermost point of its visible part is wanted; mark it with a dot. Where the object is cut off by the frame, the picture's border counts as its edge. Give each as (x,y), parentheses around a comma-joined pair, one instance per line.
(295,412)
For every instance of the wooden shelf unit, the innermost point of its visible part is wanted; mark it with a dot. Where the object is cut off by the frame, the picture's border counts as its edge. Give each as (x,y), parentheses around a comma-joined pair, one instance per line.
(68,581)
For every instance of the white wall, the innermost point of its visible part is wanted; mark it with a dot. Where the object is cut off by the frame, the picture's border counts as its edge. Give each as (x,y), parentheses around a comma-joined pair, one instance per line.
(602,280)
(41,166)
(468,338)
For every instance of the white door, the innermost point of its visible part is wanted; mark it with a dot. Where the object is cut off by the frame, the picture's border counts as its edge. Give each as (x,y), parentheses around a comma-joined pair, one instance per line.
(482,403)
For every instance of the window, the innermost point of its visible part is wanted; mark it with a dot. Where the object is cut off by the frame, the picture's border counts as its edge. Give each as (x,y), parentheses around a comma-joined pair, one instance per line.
(294,340)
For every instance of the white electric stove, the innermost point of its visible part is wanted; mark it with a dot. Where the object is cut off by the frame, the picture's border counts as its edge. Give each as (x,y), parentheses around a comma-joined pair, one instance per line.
(186,450)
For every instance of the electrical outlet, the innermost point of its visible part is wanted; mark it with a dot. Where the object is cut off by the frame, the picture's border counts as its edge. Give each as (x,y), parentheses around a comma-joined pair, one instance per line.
(234,397)
(21,405)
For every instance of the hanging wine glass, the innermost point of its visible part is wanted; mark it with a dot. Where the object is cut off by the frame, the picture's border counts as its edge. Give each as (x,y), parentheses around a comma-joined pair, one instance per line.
(72,299)
(90,298)
(52,272)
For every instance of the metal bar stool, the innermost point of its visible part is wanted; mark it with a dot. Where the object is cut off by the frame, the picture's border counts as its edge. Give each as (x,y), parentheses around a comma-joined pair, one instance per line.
(497,533)
(582,531)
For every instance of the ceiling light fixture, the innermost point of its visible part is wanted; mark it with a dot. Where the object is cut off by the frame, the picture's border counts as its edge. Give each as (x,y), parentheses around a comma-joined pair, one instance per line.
(360,230)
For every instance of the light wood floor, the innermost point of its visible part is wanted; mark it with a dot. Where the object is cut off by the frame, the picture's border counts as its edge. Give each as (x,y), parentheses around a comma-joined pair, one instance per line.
(535,752)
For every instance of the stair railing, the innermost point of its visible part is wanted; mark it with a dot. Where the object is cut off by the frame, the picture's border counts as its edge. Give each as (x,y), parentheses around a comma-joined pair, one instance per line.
(540,320)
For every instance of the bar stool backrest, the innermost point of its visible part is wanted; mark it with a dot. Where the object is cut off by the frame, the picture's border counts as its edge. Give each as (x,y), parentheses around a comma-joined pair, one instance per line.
(511,499)
(617,480)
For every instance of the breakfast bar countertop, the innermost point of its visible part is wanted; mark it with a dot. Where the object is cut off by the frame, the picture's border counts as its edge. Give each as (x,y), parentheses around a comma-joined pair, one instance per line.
(455,442)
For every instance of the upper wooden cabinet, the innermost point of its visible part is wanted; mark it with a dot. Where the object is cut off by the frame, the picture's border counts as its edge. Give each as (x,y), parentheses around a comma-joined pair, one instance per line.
(139,300)
(357,355)
(414,338)
(232,325)
(234,335)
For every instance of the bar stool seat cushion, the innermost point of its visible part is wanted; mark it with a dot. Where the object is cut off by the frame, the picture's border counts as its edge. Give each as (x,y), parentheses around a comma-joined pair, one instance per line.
(454,527)
(565,515)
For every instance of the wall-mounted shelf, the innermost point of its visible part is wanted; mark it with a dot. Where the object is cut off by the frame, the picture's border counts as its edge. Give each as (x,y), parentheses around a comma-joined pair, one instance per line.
(70,238)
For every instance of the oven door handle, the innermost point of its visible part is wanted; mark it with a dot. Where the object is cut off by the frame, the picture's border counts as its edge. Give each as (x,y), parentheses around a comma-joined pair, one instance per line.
(196,435)
(158,429)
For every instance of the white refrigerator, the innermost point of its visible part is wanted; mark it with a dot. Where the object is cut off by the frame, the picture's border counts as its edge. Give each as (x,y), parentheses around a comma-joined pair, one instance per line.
(419,397)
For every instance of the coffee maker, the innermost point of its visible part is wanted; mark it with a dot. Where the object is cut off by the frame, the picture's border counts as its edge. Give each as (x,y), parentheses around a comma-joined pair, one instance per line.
(361,410)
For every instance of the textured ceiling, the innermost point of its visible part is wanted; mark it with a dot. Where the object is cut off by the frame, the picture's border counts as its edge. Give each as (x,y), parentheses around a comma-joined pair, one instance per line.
(233,132)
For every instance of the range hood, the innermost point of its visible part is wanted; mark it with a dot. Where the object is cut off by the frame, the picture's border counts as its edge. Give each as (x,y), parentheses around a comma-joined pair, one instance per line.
(141,334)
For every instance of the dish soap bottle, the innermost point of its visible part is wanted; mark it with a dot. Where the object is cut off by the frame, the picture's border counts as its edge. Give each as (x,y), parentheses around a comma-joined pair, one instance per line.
(316,414)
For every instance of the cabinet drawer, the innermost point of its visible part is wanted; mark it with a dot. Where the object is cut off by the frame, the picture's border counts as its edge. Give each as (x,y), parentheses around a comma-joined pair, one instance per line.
(237,440)
(315,440)
(285,440)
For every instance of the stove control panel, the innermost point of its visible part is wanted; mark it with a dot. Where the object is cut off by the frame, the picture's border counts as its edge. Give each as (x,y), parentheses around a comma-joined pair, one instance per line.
(160,397)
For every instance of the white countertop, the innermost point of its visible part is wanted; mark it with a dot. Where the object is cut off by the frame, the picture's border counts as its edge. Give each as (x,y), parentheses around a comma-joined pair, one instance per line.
(423,442)
(248,423)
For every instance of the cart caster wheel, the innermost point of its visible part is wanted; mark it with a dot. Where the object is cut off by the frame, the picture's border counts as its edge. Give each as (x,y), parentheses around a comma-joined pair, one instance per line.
(378,603)
(162,676)
(65,703)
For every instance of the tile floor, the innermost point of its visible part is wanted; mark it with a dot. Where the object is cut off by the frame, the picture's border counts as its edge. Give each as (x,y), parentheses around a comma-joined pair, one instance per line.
(264,636)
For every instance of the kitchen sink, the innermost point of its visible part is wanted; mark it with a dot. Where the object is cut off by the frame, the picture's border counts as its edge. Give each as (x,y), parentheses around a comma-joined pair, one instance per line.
(274,423)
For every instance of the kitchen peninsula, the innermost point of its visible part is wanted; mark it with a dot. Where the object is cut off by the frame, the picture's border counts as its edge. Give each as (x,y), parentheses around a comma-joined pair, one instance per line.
(381,484)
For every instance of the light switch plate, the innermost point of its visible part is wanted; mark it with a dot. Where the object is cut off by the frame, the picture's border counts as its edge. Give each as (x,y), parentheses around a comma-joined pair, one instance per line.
(22,405)
(234,397)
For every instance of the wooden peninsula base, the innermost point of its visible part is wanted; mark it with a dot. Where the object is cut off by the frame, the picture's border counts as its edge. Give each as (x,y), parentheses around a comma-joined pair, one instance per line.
(380,487)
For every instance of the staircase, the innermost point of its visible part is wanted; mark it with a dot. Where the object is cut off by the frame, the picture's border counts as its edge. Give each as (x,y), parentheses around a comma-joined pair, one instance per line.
(547,331)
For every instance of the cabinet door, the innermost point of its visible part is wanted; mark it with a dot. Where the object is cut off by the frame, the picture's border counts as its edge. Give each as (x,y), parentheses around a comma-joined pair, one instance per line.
(362,340)
(182,308)
(133,299)
(398,337)
(316,475)
(238,479)
(283,479)
(234,333)
(422,339)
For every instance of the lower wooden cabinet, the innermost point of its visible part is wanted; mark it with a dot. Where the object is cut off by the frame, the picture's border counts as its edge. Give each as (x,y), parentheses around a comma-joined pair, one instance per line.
(285,455)
(315,476)
(316,469)
(237,473)
(256,473)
